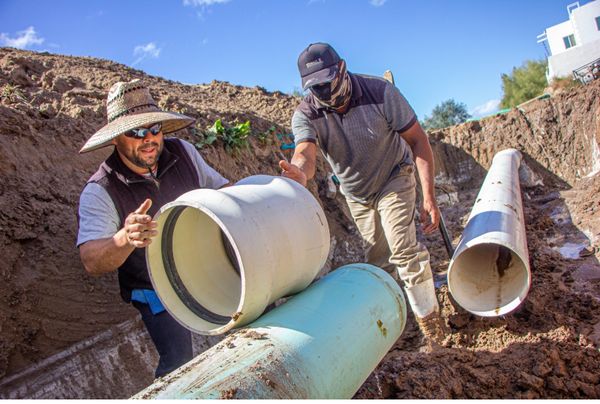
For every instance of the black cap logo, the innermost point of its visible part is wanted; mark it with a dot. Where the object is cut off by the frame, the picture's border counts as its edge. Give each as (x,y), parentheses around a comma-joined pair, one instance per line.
(317,64)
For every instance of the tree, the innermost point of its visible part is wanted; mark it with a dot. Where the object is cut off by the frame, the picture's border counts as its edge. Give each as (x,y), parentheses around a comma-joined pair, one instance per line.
(446,114)
(297,92)
(524,83)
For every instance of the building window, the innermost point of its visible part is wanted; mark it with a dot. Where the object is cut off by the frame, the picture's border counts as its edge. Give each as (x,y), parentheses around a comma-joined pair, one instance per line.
(598,23)
(569,41)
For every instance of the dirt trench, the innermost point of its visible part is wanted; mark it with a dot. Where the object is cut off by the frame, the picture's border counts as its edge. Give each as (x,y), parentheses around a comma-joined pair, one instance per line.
(65,334)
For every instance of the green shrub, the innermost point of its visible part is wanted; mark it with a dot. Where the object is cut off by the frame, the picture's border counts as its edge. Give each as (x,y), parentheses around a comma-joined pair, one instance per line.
(205,138)
(448,113)
(524,83)
(233,137)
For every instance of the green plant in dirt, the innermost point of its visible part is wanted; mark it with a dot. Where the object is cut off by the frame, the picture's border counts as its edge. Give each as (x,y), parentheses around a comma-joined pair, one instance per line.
(204,138)
(12,93)
(266,136)
(235,137)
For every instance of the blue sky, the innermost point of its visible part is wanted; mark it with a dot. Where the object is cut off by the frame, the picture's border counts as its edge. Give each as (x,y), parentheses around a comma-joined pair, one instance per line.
(437,49)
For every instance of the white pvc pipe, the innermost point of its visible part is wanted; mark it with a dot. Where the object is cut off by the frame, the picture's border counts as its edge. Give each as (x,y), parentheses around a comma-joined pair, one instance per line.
(489,273)
(321,343)
(222,256)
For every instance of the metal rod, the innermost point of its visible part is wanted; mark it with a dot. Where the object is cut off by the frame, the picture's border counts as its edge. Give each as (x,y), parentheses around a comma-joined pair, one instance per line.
(446,236)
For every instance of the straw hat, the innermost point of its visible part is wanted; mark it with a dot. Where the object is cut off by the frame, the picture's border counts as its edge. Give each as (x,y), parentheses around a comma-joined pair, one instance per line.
(129,105)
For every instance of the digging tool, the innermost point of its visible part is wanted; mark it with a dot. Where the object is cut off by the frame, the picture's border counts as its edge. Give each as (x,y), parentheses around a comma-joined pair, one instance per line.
(442,226)
(446,236)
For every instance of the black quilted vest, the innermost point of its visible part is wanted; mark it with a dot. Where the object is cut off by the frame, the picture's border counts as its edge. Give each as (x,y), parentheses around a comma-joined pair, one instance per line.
(176,175)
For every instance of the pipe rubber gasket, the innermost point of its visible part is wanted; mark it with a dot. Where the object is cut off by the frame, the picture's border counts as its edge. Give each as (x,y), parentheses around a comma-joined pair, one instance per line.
(171,270)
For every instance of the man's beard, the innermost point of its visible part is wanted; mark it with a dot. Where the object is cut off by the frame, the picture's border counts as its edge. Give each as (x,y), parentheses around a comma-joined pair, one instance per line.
(138,161)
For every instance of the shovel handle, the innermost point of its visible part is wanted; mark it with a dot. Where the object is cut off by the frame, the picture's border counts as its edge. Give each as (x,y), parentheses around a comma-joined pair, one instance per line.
(446,237)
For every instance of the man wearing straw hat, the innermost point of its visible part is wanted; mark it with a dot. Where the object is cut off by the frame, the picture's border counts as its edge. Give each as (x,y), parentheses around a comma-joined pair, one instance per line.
(369,134)
(116,207)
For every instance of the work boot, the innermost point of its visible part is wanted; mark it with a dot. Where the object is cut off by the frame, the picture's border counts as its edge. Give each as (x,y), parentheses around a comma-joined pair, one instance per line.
(434,329)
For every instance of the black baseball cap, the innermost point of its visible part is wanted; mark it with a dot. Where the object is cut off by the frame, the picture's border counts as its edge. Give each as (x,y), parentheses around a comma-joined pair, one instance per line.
(318,64)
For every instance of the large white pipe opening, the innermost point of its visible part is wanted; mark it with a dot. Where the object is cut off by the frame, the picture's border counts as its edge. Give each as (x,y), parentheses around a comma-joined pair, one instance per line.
(222,256)
(489,272)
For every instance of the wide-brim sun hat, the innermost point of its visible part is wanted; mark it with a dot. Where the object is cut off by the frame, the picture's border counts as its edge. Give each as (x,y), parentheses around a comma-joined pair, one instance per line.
(129,105)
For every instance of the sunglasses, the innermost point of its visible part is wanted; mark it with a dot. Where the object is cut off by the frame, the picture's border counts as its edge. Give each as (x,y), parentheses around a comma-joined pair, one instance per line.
(322,91)
(140,133)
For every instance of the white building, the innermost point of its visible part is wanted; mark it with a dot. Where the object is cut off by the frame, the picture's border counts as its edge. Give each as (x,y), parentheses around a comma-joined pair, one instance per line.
(573,44)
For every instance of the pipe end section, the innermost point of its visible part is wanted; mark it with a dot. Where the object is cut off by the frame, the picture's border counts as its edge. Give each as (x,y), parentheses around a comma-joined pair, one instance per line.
(195,269)
(489,280)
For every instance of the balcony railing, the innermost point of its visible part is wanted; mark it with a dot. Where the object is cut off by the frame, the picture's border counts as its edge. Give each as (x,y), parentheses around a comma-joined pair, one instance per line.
(588,72)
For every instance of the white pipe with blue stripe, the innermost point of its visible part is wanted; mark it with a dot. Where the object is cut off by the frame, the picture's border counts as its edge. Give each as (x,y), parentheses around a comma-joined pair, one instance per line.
(489,273)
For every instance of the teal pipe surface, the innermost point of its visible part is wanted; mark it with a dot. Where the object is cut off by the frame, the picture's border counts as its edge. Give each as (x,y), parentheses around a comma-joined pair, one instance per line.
(322,343)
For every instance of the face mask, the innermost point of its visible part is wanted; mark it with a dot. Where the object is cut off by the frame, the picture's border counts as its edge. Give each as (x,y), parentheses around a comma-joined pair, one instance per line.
(335,93)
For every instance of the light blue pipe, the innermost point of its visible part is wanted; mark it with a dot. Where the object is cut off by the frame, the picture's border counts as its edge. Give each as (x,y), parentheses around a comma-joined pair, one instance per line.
(322,343)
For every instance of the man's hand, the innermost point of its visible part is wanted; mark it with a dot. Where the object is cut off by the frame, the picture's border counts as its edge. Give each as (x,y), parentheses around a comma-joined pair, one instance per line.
(430,216)
(108,254)
(291,171)
(139,227)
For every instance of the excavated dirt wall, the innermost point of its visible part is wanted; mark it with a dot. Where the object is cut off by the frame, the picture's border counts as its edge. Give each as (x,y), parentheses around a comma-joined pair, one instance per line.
(558,137)
(49,306)
(50,105)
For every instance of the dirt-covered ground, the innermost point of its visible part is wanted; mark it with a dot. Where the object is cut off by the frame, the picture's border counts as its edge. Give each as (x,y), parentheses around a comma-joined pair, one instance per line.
(49,307)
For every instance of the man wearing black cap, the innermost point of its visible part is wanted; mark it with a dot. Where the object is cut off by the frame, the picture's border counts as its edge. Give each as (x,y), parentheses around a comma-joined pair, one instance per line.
(369,134)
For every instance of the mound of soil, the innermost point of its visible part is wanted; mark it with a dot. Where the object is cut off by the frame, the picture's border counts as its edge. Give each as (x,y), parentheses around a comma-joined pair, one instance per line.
(548,347)
(50,105)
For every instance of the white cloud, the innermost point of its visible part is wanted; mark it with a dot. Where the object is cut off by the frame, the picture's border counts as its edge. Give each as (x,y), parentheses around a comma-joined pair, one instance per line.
(145,51)
(23,39)
(377,3)
(486,108)
(203,3)
(149,49)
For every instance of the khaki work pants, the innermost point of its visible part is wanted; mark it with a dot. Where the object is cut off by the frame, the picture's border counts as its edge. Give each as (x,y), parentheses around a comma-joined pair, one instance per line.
(389,232)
